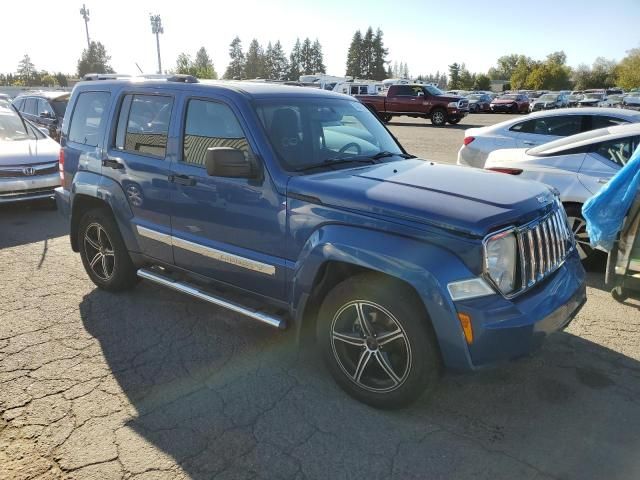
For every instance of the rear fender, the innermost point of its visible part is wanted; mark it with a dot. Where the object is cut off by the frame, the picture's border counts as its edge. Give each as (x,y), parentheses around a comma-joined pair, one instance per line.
(426,268)
(109,192)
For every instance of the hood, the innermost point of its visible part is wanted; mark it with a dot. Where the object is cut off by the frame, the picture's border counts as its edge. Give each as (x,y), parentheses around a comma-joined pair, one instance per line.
(467,200)
(28,152)
(449,98)
(503,100)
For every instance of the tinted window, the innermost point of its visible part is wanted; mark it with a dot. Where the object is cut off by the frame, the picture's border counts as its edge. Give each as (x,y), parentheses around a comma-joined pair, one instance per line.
(561,126)
(143,124)
(89,116)
(618,151)
(600,121)
(19,103)
(59,107)
(208,125)
(409,90)
(43,106)
(30,106)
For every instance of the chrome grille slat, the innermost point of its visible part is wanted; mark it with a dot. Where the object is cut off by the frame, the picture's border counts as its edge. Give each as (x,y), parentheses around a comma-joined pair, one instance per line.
(542,246)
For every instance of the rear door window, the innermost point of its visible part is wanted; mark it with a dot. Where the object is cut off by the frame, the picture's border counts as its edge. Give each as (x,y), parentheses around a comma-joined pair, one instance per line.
(560,125)
(89,118)
(618,151)
(601,121)
(43,106)
(143,124)
(30,107)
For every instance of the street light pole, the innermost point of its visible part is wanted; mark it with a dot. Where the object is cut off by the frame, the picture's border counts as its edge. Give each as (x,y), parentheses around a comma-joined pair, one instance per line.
(156,29)
(85,14)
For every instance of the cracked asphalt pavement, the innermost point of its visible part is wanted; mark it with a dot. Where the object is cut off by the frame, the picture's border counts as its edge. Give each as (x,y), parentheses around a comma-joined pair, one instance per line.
(151,384)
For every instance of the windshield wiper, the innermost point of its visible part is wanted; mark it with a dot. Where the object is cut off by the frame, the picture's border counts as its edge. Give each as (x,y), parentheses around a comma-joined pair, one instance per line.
(336,161)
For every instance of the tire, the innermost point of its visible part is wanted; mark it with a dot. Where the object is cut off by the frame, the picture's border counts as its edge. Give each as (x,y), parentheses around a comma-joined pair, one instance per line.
(391,375)
(578,226)
(385,117)
(438,117)
(101,244)
(454,121)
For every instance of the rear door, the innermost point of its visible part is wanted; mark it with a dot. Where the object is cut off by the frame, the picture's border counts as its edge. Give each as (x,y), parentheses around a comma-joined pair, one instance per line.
(46,115)
(405,99)
(604,160)
(138,158)
(537,131)
(30,109)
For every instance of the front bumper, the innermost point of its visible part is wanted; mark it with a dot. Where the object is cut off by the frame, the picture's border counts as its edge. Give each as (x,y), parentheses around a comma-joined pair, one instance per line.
(505,329)
(456,113)
(28,188)
(506,107)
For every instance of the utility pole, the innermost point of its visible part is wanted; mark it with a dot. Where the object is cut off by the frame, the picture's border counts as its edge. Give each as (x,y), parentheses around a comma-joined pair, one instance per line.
(85,14)
(156,29)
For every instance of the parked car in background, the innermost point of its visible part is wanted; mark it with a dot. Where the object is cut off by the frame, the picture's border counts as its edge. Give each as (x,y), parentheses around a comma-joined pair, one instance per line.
(45,109)
(5,97)
(28,159)
(536,129)
(577,166)
(457,93)
(391,265)
(549,101)
(510,103)
(612,101)
(631,101)
(592,98)
(574,97)
(479,102)
(422,101)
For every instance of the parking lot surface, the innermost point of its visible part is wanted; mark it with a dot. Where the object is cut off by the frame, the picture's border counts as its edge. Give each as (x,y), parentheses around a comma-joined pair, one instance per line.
(150,384)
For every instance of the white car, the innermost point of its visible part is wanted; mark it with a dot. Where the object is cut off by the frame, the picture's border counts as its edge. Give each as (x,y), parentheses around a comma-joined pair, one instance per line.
(536,129)
(576,166)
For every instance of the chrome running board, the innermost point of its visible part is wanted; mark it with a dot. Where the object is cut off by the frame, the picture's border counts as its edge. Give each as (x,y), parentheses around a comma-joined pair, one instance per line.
(207,297)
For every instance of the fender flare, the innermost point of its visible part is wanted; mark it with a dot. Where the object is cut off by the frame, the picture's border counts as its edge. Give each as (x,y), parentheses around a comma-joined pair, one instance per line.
(108,191)
(426,268)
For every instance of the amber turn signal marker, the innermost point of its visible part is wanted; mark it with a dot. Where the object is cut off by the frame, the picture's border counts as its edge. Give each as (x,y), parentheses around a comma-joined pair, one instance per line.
(465,321)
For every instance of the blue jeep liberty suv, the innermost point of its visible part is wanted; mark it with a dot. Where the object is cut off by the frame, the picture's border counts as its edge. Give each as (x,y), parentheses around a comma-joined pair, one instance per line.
(297,208)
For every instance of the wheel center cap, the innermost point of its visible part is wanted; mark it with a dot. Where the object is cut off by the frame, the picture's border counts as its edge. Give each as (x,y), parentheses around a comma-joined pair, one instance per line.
(372,343)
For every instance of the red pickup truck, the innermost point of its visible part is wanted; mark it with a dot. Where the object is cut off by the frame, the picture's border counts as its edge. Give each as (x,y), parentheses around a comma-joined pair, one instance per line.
(424,101)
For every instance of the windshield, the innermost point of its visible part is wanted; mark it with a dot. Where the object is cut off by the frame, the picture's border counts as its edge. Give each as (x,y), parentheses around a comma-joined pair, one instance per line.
(474,97)
(548,98)
(309,132)
(11,125)
(59,106)
(433,90)
(508,97)
(593,96)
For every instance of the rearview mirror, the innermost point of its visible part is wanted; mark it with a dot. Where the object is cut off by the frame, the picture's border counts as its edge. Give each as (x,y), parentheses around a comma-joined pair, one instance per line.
(228,162)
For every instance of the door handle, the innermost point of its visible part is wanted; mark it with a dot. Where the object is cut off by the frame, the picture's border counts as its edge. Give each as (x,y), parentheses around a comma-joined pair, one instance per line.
(602,181)
(527,142)
(114,163)
(183,180)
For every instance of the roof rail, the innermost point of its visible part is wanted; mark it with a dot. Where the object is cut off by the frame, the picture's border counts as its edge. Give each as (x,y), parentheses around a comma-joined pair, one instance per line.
(170,78)
(104,76)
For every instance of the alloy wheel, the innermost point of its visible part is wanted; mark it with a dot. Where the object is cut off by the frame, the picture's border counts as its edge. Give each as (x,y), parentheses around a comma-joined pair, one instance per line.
(370,346)
(99,251)
(438,118)
(579,229)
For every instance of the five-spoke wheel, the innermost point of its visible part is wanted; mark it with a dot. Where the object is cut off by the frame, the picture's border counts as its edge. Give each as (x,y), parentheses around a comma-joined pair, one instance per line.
(100,249)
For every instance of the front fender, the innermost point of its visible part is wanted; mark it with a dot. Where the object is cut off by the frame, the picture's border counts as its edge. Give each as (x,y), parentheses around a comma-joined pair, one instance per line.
(110,192)
(427,268)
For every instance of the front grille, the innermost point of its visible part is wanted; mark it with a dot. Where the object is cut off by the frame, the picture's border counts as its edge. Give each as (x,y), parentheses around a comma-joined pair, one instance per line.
(543,246)
(19,171)
(463,104)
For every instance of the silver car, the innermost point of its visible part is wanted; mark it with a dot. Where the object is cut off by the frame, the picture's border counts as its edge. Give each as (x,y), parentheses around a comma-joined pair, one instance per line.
(536,129)
(28,159)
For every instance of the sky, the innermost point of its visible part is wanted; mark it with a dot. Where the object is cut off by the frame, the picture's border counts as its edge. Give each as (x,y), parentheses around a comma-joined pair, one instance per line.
(427,35)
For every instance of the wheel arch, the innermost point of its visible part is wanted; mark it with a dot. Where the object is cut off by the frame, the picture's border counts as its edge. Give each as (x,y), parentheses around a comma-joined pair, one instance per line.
(349,251)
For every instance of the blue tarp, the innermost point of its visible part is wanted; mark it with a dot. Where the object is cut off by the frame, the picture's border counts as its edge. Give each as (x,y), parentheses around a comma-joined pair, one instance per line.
(605,211)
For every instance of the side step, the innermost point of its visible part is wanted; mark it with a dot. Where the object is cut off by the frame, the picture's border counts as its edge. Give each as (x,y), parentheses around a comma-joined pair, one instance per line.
(207,297)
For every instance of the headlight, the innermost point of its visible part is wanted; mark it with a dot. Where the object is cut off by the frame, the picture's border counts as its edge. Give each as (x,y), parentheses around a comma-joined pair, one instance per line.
(500,260)
(453,105)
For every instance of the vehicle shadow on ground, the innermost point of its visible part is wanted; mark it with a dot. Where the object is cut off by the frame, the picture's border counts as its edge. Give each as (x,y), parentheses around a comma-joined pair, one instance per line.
(30,222)
(215,392)
(427,123)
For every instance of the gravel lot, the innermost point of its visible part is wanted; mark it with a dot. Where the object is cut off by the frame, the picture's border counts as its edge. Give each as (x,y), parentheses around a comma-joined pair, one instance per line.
(153,385)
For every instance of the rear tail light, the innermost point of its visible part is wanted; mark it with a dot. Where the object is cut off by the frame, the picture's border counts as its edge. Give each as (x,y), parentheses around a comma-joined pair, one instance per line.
(510,171)
(61,166)
(468,140)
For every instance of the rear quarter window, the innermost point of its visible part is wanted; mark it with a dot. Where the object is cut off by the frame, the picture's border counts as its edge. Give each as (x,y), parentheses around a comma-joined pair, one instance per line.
(88,119)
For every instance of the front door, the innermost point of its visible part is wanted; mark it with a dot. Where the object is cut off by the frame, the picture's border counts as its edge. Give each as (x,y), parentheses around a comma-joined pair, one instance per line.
(228,229)
(605,160)
(548,128)
(137,159)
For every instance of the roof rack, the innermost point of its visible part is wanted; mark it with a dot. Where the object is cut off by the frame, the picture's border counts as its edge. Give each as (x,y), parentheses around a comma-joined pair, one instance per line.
(170,78)
(104,76)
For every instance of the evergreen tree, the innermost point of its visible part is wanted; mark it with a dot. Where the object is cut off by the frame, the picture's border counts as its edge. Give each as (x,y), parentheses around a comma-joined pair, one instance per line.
(454,76)
(26,70)
(379,60)
(306,57)
(94,60)
(269,68)
(295,68)
(317,58)
(280,65)
(183,64)
(203,65)
(354,56)
(366,59)
(254,65)
(389,72)
(405,70)
(235,70)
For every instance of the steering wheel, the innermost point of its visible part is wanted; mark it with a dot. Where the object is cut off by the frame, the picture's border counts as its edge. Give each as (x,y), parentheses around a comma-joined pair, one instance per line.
(350,145)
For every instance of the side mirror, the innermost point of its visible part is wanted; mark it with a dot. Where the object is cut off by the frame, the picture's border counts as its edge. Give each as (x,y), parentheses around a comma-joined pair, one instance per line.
(421,94)
(228,162)
(45,114)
